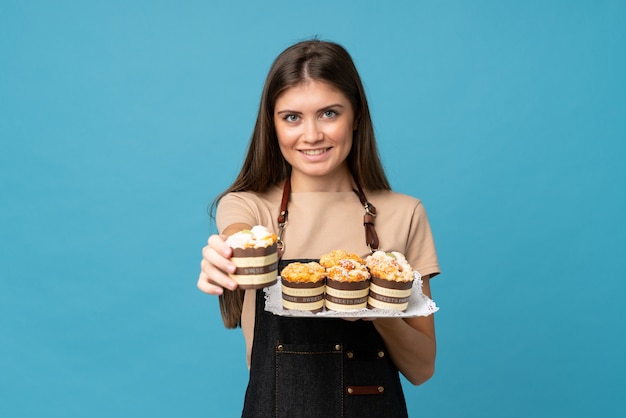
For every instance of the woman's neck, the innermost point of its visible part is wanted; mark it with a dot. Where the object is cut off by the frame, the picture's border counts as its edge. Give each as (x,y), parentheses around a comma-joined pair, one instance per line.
(336,183)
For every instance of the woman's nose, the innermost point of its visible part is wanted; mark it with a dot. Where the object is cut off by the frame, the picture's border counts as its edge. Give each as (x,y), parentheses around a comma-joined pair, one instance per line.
(312,131)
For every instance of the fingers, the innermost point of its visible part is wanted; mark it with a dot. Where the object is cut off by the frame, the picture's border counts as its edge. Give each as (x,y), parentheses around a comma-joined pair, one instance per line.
(358,318)
(350,318)
(206,286)
(215,266)
(218,243)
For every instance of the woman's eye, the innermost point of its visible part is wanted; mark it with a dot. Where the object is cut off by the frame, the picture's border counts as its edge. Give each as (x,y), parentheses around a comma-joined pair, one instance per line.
(291,118)
(330,114)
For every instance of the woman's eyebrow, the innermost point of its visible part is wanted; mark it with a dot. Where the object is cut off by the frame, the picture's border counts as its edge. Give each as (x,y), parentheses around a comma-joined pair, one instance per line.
(297,112)
(332,105)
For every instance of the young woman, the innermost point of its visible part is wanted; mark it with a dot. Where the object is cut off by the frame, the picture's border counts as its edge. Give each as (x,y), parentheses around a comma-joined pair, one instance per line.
(314,144)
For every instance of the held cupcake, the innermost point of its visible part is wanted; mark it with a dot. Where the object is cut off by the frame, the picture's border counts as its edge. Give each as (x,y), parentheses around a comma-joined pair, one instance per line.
(347,284)
(303,286)
(391,282)
(256,257)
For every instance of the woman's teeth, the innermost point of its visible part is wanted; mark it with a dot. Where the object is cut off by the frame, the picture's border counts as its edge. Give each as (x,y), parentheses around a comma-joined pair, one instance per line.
(314,151)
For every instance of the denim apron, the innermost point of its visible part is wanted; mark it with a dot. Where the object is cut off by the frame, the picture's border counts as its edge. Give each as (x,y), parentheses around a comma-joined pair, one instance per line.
(320,367)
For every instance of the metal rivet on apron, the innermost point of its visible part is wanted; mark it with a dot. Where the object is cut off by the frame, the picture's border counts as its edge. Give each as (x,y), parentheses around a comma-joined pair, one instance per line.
(381,354)
(280,347)
(349,354)
(381,389)
(350,390)
(338,347)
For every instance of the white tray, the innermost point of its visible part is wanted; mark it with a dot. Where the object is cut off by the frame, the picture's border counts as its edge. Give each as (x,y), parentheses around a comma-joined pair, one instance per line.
(419,305)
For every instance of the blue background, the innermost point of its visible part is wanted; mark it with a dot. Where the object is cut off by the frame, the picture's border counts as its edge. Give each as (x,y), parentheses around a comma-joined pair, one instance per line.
(121,120)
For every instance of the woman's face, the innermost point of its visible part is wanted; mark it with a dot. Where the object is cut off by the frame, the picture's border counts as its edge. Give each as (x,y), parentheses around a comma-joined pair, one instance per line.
(314,123)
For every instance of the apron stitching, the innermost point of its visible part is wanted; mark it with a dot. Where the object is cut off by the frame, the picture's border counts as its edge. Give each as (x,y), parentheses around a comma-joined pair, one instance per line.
(341,388)
(276,377)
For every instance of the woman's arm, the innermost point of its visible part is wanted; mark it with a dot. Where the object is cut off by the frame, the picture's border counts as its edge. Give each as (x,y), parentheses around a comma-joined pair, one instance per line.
(411,343)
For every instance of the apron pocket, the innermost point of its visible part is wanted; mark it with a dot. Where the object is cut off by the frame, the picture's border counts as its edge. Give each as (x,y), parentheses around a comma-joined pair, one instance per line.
(309,380)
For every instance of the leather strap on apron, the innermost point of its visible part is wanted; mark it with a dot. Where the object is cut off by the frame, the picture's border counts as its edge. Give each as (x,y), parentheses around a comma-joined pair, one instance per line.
(371,238)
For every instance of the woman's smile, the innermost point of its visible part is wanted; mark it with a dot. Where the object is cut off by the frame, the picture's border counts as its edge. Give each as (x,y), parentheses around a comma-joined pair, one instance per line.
(314,152)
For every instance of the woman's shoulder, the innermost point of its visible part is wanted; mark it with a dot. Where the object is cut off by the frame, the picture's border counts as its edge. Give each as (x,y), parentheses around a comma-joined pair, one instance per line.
(392,198)
(252,208)
(247,196)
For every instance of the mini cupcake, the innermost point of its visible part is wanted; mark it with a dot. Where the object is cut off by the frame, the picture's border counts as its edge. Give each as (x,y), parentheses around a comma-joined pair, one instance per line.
(347,284)
(391,282)
(303,286)
(256,257)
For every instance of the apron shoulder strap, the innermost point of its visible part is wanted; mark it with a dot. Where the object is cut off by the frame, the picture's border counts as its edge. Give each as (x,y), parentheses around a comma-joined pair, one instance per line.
(371,238)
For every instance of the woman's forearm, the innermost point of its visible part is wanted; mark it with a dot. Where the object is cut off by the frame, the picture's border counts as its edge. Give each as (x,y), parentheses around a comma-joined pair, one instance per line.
(411,343)
(412,351)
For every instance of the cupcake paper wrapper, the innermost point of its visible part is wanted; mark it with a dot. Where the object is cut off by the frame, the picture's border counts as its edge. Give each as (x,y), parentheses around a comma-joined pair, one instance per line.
(256,267)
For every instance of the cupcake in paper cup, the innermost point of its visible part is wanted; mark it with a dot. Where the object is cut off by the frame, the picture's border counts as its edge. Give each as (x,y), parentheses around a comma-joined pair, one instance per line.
(347,281)
(391,281)
(303,286)
(256,257)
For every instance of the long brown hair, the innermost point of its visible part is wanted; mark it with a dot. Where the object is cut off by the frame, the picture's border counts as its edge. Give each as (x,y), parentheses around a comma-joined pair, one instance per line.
(265,166)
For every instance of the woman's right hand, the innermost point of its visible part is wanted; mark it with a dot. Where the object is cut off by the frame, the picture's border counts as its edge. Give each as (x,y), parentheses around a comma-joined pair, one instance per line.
(215,266)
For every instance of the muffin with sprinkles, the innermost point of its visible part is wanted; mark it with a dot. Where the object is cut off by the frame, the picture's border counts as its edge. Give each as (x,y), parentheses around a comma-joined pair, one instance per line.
(391,280)
(347,283)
